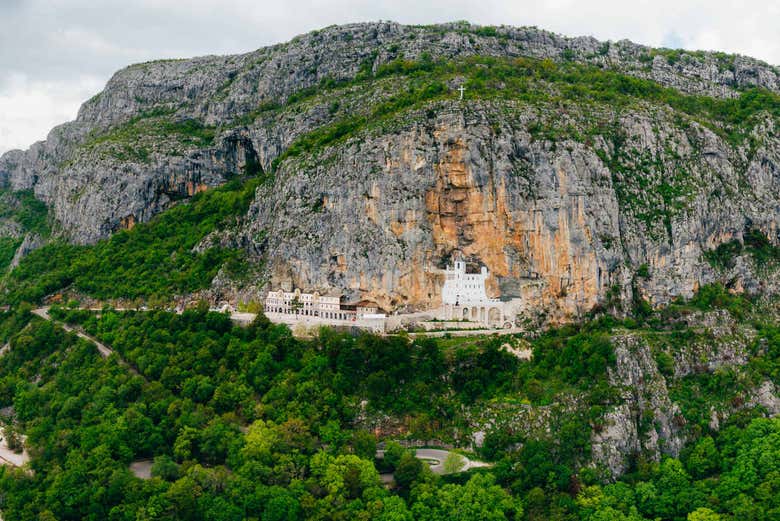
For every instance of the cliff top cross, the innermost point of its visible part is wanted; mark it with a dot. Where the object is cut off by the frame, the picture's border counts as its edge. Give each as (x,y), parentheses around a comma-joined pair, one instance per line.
(461,89)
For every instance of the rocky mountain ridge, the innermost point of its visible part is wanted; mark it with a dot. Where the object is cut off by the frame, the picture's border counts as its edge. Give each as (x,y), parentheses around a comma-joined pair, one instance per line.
(220,90)
(573,196)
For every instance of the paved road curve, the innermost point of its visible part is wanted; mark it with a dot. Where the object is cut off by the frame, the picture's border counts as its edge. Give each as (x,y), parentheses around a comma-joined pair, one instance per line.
(437,457)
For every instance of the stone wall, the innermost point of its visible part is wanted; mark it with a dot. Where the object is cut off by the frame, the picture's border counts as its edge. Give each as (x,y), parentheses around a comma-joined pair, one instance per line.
(373,325)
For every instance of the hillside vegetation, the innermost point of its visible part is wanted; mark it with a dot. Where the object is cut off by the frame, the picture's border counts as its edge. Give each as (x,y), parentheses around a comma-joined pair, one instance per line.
(154,261)
(250,422)
(20,214)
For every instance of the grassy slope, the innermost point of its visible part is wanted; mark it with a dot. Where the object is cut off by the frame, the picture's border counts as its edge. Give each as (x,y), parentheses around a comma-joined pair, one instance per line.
(153,260)
(26,211)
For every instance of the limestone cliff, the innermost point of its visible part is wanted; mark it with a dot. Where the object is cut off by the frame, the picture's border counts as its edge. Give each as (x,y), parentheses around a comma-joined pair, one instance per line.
(555,224)
(94,178)
(582,173)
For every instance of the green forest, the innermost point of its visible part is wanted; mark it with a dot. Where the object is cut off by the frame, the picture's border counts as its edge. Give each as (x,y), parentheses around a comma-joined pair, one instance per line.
(252,423)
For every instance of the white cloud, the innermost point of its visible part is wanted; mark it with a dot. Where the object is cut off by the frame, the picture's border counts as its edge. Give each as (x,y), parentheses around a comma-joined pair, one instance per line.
(55,54)
(87,41)
(31,108)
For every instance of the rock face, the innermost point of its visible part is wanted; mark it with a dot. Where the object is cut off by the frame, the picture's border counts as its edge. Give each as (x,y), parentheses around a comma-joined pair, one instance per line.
(411,199)
(563,202)
(376,217)
(219,90)
(648,421)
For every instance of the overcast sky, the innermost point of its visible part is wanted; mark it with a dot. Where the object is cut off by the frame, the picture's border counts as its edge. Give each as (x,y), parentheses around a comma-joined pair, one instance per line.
(54,54)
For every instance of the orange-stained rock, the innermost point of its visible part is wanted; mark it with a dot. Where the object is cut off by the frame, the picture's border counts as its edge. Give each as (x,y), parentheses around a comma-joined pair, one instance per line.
(193,188)
(128,222)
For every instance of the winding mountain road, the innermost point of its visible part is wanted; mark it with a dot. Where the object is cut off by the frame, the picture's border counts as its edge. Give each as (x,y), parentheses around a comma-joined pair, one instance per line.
(103,349)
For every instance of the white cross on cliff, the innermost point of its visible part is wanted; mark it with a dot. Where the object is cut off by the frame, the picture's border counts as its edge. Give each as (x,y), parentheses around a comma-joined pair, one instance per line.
(461,89)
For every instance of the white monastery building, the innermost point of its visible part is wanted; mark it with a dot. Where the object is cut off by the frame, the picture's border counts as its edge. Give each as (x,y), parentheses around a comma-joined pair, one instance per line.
(314,308)
(303,304)
(464,288)
(463,296)
(464,299)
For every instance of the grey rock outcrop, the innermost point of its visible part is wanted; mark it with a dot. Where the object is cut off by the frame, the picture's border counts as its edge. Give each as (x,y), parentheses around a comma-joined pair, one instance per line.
(31,242)
(648,421)
(616,440)
(766,396)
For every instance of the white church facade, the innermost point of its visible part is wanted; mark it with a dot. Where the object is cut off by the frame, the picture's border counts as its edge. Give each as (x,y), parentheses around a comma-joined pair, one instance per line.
(464,297)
